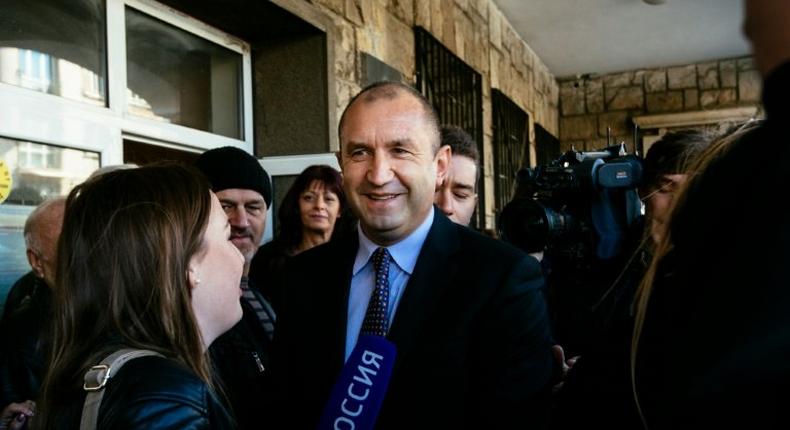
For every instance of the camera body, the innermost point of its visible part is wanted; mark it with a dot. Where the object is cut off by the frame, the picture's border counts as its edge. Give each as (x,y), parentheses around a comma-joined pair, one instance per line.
(583,212)
(578,208)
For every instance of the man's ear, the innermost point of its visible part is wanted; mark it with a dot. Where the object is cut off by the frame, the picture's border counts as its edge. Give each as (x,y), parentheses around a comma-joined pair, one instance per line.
(35,263)
(339,159)
(442,164)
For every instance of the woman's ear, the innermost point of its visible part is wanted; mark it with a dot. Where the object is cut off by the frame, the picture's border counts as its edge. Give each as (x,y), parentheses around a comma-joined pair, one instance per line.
(193,277)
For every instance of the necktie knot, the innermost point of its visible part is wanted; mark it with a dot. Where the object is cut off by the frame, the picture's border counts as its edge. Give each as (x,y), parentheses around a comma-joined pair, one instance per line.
(376,320)
(380,257)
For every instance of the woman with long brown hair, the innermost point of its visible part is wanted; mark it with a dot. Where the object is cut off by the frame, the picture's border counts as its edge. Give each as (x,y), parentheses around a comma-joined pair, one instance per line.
(144,263)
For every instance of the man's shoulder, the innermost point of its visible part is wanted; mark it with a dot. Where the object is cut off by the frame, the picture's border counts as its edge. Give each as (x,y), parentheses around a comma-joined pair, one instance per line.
(489,251)
(328,253)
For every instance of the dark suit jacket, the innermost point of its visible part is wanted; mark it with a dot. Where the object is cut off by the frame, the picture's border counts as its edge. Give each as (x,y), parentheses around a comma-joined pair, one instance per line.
(471,331)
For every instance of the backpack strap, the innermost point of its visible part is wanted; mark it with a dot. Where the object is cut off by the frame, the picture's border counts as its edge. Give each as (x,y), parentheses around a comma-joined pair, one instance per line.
(96,379)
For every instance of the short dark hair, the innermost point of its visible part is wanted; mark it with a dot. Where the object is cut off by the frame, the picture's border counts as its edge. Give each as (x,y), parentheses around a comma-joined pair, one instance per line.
(460,142)
(673,154)
(290,220)
(389,90)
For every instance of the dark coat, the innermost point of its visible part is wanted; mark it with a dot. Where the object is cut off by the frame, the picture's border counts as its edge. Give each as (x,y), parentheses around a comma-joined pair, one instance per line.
(21,291)
(241,361)
(266,271)
(24,344)
(471,331)
(722,320)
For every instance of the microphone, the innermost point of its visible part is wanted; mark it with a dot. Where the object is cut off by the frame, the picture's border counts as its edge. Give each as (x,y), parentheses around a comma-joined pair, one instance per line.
(356,398)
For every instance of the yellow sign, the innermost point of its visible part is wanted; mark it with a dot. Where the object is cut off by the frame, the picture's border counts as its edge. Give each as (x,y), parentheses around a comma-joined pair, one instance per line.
(5,181)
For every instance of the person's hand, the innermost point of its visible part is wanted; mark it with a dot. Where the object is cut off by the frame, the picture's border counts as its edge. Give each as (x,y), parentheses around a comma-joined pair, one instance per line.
(16,416)
(565,365)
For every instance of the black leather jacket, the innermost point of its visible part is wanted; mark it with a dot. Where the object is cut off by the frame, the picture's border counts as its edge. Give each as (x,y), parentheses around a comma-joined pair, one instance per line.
(241,364)
(153,393)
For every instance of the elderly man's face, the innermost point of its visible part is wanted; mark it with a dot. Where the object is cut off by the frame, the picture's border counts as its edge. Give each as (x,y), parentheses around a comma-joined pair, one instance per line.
(44,258)
(390,170)
(246,211)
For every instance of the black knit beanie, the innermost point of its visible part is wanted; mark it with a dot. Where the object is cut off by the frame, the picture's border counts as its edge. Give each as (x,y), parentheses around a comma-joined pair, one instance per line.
(231,167)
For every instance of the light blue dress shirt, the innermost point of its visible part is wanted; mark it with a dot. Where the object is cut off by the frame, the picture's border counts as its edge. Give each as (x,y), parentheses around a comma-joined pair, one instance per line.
(404,258)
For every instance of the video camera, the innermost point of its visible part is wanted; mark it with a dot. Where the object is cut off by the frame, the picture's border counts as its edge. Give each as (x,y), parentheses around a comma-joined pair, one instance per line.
(578,208)
(583,212)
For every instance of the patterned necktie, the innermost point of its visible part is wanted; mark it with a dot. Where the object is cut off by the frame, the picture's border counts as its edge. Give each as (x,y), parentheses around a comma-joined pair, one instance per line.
(376,322)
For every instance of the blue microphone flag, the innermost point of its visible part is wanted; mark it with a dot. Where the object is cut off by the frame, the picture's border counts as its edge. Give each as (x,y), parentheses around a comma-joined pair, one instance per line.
(356,398)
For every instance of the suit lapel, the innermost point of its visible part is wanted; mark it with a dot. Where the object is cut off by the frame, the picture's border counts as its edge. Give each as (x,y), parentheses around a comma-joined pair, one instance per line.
(426,285)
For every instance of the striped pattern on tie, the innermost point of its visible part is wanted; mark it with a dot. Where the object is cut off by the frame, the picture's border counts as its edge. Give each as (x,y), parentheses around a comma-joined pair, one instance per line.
(262,309)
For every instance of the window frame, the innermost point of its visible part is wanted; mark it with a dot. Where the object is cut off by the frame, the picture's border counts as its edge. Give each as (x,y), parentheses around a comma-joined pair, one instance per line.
(27,114)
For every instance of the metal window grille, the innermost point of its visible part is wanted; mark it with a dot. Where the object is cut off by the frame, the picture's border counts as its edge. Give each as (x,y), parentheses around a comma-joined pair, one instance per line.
(455,91)
(510,144)
(547,146)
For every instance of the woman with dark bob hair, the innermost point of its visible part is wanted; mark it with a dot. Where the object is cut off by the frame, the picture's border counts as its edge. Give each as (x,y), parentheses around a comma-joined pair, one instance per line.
(144,263)
(307,218)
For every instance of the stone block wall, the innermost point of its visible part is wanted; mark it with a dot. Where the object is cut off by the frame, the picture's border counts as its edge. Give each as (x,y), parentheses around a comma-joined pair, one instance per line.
(474,30)
(589,105)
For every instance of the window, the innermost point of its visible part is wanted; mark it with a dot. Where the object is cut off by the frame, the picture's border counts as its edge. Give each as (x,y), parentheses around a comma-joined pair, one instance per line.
(66,57)
(547,146)
(80,78)
(38,172)
(141,153)
(510,144)
(455,91)
(138,69)
(177,77)
(41,171)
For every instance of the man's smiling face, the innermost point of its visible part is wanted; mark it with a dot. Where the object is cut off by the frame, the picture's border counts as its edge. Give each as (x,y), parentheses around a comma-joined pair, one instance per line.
(390,165)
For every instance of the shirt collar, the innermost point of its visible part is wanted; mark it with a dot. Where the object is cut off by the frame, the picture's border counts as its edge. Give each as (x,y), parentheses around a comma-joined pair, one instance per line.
(404,253)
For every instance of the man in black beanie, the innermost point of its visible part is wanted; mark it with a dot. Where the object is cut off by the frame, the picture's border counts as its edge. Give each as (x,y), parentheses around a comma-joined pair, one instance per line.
(241,355)
(245,192)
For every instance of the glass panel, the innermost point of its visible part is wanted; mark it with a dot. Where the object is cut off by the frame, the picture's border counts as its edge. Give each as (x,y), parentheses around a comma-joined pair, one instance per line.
(37,172)
(280,184)
(142,153)
(174,76)
(56,47)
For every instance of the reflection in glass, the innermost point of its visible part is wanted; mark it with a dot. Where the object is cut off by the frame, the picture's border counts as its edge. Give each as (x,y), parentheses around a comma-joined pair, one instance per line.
(38,172)
(175,76)
(55,47)
(41,171)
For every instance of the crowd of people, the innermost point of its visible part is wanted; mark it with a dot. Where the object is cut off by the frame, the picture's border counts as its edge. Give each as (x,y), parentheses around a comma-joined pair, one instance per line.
(152,303)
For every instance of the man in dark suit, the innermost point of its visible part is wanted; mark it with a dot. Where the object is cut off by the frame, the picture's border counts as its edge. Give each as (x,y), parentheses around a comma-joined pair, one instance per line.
(465,312)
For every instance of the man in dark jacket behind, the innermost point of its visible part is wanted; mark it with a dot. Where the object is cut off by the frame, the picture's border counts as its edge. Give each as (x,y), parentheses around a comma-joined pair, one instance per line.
(241,355)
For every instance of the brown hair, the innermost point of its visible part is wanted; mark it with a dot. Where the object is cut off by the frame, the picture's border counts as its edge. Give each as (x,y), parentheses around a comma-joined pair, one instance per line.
(674,153)
(714,151)
(123,256)
(290,219)
(461,143)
